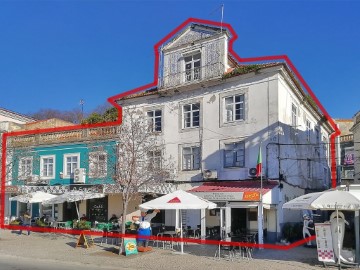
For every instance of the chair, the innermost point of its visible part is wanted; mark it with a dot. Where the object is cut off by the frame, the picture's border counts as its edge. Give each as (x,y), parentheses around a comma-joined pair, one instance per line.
(227,251)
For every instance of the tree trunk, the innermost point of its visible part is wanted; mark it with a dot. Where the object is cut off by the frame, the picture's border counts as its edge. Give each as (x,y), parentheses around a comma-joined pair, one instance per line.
(125,206)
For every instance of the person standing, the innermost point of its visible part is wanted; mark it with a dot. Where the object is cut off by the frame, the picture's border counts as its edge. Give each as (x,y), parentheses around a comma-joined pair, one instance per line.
(145,227)
(26,219)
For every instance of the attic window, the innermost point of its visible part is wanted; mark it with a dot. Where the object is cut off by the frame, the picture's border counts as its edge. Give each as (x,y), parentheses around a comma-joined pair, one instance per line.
(192,67)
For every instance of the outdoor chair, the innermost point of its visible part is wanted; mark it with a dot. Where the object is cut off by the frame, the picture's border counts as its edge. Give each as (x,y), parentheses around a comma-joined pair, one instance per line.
(225,251)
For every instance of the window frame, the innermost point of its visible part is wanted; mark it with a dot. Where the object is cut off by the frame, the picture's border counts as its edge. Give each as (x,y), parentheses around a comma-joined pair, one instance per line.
(97,173)
(21,174)
(42,158)
(234,109)
(191,112)
(152,120)
(194,160)
(294,115)
(192,63)
(235,155)
(65,172)
(308,130)
(152,159)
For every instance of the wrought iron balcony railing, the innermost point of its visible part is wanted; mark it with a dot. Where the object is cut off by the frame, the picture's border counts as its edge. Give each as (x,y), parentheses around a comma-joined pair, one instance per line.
(190,76)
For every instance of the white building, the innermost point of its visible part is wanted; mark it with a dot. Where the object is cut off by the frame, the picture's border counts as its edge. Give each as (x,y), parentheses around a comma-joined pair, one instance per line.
(10,121)
(214,113)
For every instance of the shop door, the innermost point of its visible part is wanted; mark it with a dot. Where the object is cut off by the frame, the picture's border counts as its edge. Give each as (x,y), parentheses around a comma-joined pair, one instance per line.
(238,220)
(98,209)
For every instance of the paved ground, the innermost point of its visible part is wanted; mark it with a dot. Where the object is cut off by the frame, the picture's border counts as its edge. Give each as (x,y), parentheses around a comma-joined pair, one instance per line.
(49,248)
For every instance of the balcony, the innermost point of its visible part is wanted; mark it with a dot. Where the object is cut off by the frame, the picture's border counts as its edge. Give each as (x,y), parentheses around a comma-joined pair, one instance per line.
(191,76)
(79,135)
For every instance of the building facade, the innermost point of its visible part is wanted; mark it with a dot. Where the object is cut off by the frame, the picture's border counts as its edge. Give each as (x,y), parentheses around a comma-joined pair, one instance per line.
(356,133)
(213,114)
(346,152)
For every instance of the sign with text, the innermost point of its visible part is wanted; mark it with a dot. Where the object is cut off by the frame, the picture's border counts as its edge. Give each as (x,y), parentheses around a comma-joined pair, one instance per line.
(130,246)
(88,188)
(230,196)
(324,243)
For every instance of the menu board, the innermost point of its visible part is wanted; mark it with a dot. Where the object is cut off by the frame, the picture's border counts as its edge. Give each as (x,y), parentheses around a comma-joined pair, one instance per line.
(324,243)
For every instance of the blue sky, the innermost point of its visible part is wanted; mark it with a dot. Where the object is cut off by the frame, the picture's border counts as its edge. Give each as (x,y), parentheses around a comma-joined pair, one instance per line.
(54,53)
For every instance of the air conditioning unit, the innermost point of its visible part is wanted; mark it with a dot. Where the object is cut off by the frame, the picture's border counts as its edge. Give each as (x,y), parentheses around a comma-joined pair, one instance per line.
(252,172)
(79,175)
(210,174)
(33,179)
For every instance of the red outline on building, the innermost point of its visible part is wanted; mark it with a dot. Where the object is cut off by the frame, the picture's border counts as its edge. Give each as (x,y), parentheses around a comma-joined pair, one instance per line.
(112,100)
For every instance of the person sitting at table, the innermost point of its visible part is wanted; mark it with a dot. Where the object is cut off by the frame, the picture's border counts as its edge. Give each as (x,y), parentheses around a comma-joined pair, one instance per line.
(83,217)
(113,218)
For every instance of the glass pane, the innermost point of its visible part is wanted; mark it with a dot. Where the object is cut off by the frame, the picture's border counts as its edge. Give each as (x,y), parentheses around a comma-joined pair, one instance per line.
(187,108)
(188,59)
(196,106)
(150,113)
(197,56)
(158,113)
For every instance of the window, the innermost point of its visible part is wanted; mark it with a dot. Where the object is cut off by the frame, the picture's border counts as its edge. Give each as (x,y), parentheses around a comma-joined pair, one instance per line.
(25,167)
(191,158)
(191,115)
(234,108)
(193,67)
(325,146)
(71,162)
(97,164)
(47,165)
(234,154)
(154,118)
(317,133)
(293,116)
(154,160)
(308,130)
(308,161)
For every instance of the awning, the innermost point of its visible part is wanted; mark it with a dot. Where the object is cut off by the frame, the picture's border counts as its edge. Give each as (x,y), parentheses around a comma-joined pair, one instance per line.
(234,190)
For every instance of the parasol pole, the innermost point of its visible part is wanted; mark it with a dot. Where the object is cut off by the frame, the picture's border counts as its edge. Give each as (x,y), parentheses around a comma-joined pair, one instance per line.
(338,232)
(77,210)
(181,232)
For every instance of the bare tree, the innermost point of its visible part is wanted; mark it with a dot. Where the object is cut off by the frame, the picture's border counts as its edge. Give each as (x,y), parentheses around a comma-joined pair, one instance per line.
(140,161)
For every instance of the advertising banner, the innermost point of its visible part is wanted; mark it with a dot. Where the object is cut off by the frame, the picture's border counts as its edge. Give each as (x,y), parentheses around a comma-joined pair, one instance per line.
(130,246)
(324,243)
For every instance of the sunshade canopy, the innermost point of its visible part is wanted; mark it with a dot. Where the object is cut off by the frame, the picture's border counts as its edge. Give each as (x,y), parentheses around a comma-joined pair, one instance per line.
(178,200)
(326,200)
(33,197)
(73,196)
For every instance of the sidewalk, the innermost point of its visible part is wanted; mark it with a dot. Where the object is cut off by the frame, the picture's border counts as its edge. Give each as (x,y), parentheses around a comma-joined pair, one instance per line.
(61,247)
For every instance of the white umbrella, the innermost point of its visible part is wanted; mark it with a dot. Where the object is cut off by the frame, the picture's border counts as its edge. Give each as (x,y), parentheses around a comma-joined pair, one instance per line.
(33,197)
(178,200)
(74,196)
(327,200)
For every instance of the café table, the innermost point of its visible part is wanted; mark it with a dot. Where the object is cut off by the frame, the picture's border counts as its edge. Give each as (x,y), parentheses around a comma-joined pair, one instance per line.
(61,224)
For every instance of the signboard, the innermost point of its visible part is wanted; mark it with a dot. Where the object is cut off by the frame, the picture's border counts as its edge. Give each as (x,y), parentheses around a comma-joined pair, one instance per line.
(324,243)
(230,196)
(88,188)
(11,189)
(130,246)
(85,240)
(349,158)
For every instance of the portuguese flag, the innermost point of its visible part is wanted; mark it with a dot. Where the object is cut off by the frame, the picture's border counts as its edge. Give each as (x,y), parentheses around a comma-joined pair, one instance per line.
(259,163)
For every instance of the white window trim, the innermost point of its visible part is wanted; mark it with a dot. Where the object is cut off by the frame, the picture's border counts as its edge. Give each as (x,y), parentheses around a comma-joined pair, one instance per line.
(97,153)
(224,112)
(224,153)
(181,115)
(65,175)
(161,119)
(308,130)
(237,92)
(42,164)
(20,172)
(182,157)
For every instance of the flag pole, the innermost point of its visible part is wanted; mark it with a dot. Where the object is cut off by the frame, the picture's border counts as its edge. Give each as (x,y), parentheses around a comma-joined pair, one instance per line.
(260,208)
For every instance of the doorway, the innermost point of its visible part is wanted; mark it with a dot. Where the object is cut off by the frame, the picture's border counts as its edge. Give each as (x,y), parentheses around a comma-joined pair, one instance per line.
(238,220)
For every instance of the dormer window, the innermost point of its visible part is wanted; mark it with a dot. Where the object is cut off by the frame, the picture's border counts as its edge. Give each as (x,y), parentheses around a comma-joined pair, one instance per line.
(193,67)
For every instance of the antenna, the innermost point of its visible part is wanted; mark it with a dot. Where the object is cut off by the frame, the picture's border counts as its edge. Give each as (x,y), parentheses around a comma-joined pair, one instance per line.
(82,108)
(222,16)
